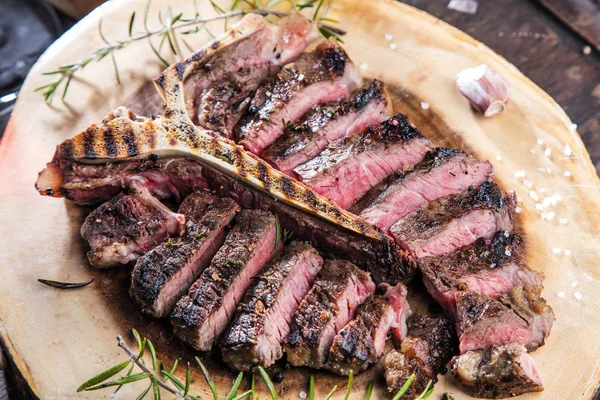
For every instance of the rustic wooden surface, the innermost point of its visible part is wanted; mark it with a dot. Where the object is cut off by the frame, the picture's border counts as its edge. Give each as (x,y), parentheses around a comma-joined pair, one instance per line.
(583,16)
(58,339)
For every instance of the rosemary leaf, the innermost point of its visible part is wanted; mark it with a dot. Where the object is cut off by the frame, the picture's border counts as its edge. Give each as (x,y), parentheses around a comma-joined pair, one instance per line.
(121,381)
(64,285)
(141,345)
(328,397)
(144,393)
(277,231)
(350,382)
(211,384)
(243,395)
(163,367)
(66,88)
(265,377)
(316,14)
(235,387)
(427,392)
(404,387)
(101,377)
(216,7)
(127,374)
(153,354)
(369,391)
(188,380)
(131,20)
(235,4)
(311,388)
(173,379)
(114,61)
(156,389)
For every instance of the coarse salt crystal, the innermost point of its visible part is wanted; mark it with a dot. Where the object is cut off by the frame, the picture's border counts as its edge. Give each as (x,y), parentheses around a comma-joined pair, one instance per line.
(573,126)
(389,37)
(519,174)
(393,46)
(574,284)
(550,216)
(567,252)
(540,141)
(563,221)
(464,6)
(548,152)
(560,294)
(499,158)
(532,151)
(547,201)
(534,195)
(568,150)
(527,183)
(539,206)
(556,250)
(549,170)
(424,105)
(541,169)
(568,173)
(300,77)
(508,253)
(518,210)
(577,296)
(506,234)
(557,196)
(363,65)
(302,395)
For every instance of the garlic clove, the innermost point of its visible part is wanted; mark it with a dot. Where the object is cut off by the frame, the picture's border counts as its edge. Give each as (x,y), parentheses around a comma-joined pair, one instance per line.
(487,92)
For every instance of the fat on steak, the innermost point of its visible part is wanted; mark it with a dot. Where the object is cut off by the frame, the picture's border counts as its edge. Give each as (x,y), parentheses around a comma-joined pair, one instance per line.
(263,318)
(322,75)
(361,342)
(443,172)
(444,225)
(127,226)
(202,315)
(349,167)
(332,302)
(489,267)
(497,372)
(324,124)
(165,273)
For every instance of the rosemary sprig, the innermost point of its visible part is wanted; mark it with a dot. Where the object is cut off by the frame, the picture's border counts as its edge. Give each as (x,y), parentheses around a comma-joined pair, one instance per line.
(64,285)
(173,24)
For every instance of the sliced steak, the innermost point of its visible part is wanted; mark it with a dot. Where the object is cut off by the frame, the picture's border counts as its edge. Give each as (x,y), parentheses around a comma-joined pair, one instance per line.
(201,316)
(490,267)
(325,124)
(430,344)
(323,75)
(263,318)
(443,172)
(165,273)
(383,259)
(497,372)
(230,69)
(327,308)
(362,341)
(348,168)
(129,225)
(442,226)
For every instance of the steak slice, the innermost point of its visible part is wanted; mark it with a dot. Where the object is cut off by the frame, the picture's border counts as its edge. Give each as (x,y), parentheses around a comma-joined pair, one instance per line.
(444,225)
(362,341)
(165,273)
(124,228)
(323,75)
(520,316)
(327,308)
(230,69)
(325,124)
(201,316)
(348,168)
(443,172)
(497,372)
(95,183)
(489,267)
(383,259)
(430,344)
(263,318)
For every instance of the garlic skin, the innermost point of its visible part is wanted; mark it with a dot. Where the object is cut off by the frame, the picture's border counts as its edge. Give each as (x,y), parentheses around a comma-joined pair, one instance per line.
(487,92)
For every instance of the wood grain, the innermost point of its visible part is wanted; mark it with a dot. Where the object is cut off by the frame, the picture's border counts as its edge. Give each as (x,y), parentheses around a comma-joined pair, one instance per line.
(58,339)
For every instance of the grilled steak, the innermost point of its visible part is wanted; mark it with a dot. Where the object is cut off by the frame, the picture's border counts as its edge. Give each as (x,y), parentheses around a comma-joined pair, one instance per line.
(124,228)
(430,344)
(444,225)
(443,172)
(361,342)
(323,75)
(487,267)
(350,167)
(325,124)
(497,372)
(96,183)
(201,316)
(263,318)
(327,308)
(382,259)
(165,273)
(224,79)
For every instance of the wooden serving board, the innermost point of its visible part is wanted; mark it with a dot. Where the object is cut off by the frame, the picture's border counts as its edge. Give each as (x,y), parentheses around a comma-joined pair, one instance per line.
(58,339)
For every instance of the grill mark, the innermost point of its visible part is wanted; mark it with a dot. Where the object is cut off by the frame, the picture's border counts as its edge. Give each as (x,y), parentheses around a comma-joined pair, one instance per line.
(110,147)
(336,61)
(88,143)
(130,141)
(262,175)
(287,187)
(160,81)
(151,135)
(197,56)
(180,68)
(67,148)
